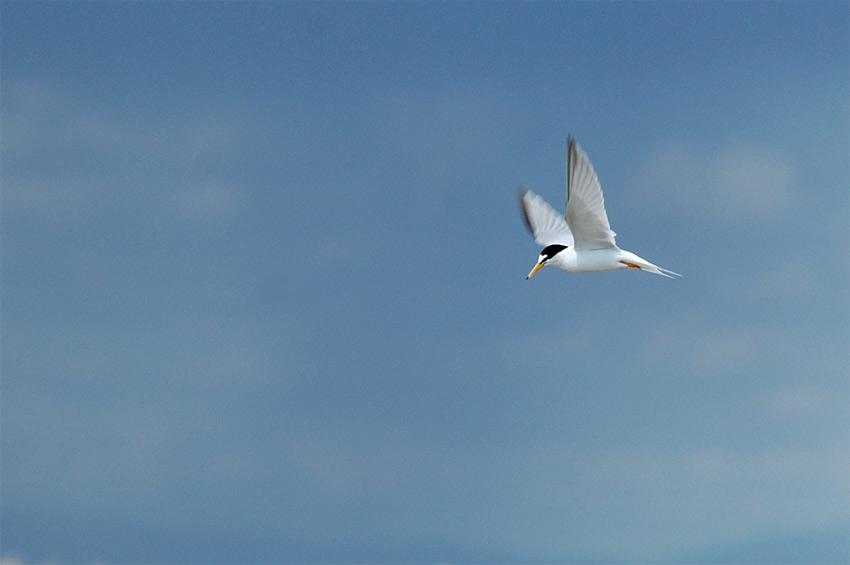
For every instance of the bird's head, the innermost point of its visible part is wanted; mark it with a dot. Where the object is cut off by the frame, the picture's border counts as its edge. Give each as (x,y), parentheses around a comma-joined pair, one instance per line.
(548,252)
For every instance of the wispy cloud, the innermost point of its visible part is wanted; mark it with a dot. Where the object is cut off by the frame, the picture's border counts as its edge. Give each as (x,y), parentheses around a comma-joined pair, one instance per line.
(61,158)
(737,182)
(706,349)
(671,501)
(802,401)
(790,279)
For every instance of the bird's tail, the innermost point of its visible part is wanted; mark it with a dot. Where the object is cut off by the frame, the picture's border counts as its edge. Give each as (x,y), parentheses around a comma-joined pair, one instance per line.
(644,265)
(665,272)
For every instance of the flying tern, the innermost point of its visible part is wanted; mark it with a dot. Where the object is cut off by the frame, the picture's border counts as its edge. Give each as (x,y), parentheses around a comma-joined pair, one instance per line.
(581,240)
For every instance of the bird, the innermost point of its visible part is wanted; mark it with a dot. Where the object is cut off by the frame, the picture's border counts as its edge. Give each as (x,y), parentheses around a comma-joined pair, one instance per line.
(580,241)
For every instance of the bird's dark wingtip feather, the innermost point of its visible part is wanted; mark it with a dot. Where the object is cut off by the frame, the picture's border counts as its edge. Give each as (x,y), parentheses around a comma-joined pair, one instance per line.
(571,150)
(521,192)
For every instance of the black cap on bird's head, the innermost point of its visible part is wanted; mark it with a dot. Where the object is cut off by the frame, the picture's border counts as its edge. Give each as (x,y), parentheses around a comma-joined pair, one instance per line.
(548,252)
(551,250)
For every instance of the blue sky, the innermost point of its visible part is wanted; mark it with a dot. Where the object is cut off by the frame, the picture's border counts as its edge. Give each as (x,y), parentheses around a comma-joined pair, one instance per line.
(264,296)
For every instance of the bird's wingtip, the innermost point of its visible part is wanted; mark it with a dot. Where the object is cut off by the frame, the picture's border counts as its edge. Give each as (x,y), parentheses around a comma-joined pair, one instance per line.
(523,209)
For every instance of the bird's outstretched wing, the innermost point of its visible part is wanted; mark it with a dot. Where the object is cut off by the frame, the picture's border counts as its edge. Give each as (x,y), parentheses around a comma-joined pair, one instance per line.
(585,213)
(546,225)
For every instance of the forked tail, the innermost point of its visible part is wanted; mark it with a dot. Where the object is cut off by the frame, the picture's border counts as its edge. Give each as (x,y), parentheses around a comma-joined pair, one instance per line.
(644,265)
(664,272)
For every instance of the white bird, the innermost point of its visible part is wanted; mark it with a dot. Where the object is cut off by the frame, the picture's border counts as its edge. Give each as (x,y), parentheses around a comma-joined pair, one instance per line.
(581,240)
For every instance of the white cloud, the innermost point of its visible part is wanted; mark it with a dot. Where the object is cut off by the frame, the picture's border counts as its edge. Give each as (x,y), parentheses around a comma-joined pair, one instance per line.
(41,195)
(790,279)
(708,351)
(62,159)
(690,345)
(739,182)
(797,401)
(664,503)
(209,201)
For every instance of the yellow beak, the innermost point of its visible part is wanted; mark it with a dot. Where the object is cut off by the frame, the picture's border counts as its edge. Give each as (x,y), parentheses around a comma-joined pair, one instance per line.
(536,268)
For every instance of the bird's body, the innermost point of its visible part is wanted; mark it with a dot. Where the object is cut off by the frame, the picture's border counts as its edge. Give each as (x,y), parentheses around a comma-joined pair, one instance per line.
(581,240)
(595,260)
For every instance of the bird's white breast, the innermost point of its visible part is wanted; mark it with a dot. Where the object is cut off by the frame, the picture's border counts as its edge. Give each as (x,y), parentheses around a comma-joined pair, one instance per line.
(585,261)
